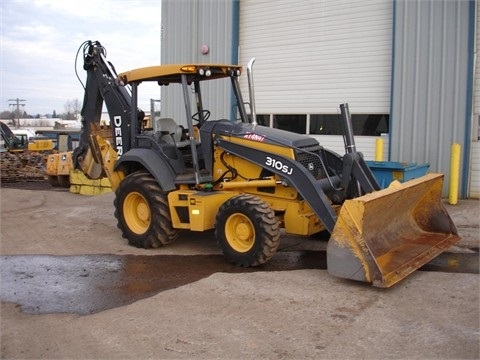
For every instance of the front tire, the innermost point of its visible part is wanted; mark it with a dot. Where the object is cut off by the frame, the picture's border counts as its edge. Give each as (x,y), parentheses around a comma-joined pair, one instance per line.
(142,211)
(247,230)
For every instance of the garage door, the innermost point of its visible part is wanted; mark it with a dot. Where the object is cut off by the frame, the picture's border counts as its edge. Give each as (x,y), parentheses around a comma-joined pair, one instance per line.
(313,55)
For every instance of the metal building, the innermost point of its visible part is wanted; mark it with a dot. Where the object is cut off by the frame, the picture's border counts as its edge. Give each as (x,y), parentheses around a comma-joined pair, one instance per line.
(406,68)
(433,47)
(198,32)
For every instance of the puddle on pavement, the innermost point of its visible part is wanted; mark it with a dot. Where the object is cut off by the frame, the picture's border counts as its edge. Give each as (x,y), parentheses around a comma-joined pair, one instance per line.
(42,284)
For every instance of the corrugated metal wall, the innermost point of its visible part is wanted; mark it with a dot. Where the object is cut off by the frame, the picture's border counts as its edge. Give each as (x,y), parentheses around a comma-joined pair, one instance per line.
(186,26)
(476,104)
(430,81)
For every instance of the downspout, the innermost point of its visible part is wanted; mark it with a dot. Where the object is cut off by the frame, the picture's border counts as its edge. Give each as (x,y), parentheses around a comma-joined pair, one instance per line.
(234,49)
(392,79)
(469,99)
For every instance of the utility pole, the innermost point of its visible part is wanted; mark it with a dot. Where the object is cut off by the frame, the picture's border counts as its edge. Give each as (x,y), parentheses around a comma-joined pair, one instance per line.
(17,103)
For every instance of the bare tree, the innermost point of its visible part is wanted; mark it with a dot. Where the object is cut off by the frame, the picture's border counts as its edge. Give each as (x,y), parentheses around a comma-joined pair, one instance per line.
(72,108)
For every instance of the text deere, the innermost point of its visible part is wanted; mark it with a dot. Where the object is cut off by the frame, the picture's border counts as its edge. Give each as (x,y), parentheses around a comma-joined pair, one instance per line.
(117,122)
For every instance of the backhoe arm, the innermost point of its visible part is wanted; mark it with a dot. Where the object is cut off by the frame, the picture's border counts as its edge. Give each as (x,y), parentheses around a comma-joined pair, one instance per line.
(102,87)
(106,157)
(7,135)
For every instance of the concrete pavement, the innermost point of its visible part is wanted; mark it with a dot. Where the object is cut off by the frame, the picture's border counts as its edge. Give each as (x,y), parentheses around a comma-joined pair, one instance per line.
(298,314)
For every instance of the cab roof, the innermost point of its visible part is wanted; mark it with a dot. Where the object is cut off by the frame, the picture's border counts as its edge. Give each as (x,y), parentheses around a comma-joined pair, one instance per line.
(166,74)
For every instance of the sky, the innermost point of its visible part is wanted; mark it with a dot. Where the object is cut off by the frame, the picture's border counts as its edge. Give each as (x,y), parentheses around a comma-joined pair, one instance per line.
(40,39)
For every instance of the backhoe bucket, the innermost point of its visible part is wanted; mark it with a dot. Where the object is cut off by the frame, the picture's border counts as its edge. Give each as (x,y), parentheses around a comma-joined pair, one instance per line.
(384,236)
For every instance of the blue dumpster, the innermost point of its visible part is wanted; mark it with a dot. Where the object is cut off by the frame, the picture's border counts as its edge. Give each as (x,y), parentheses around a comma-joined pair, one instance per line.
(387,171)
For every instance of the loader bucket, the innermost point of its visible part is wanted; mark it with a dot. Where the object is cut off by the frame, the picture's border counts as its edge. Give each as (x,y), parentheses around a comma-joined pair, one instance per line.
(384,236)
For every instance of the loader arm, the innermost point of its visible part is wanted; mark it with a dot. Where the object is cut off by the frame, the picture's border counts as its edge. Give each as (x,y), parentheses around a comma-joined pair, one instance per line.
(355,170)
(298,176)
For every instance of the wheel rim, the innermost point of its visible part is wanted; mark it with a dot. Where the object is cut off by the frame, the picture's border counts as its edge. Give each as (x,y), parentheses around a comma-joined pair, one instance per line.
(240,232)
(136,212)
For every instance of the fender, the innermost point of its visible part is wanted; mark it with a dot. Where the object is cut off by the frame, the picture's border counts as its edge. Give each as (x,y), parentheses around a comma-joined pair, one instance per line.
(153,162)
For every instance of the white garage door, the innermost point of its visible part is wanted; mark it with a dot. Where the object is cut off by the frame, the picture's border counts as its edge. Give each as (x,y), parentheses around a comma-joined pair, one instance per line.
(313,55)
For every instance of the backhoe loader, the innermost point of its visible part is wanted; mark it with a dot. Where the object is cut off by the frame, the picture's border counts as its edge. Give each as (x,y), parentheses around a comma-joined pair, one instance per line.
(19,143)
(246,181)
(23,158)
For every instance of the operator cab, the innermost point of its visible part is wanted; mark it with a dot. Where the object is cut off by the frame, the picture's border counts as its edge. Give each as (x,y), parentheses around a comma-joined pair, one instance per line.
(186,148)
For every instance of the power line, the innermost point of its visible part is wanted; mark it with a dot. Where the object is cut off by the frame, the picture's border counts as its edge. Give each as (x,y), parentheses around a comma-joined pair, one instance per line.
(17,102)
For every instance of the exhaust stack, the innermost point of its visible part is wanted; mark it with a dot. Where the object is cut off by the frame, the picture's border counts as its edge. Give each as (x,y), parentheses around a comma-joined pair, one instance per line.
(251,92)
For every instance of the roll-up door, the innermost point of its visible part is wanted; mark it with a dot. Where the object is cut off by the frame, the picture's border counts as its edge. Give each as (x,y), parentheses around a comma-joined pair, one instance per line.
(313,55)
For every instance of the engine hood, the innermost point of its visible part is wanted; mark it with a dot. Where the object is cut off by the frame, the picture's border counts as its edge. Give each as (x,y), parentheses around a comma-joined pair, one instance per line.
(259,133)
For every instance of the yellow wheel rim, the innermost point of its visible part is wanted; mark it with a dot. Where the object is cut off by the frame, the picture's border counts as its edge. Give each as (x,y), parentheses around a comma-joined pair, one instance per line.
(240,232)
(136,213)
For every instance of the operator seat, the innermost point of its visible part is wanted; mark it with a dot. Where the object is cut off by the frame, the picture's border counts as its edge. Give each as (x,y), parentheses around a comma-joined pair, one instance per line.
(171,132)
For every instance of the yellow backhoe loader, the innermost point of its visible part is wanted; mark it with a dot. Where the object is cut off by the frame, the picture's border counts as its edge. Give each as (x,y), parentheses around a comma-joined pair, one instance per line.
(23,157)
(19,143)
(248,181)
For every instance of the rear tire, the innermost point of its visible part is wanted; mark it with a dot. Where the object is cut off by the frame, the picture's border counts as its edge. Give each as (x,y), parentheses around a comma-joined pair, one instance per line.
(142,211)
(247,230)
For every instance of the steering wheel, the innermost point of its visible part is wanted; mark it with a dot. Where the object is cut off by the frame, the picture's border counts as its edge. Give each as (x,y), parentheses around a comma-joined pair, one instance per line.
(205,114)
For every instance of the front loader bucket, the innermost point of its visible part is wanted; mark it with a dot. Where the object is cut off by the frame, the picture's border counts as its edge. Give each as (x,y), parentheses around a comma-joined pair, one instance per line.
(384,236)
